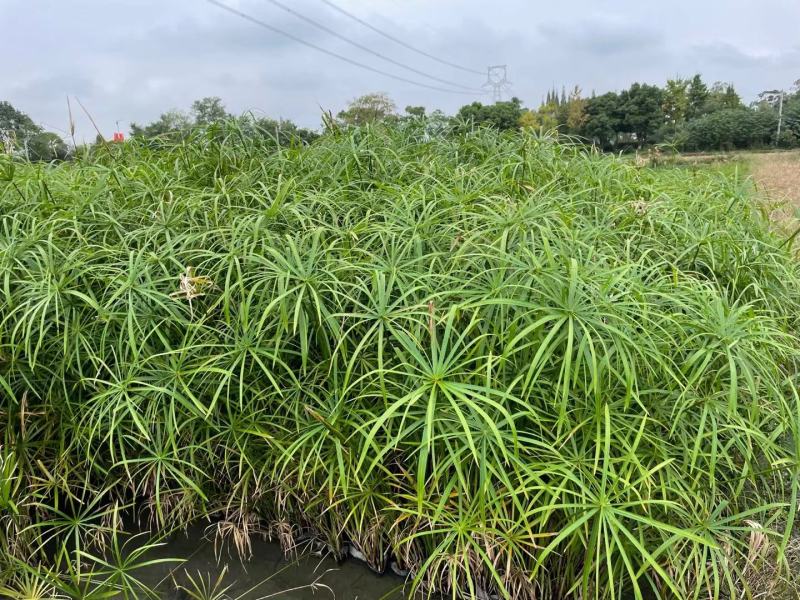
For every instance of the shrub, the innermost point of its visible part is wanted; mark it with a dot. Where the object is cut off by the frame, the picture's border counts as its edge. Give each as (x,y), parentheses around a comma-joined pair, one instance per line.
(791,120)
(46,147)
(731,129)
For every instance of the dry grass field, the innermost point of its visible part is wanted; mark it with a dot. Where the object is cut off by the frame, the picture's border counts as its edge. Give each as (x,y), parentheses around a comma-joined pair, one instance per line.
(778,174)
(775,175)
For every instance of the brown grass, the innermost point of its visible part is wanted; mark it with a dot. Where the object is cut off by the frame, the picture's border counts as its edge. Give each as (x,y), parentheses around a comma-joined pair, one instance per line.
(777,176)
(767,578)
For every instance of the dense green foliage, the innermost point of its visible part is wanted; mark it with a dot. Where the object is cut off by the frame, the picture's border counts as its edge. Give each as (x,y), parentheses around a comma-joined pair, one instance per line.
(170,122)
(790,137)
(368,109)
(510,364)
(46,146)
(501,115)
(685,114)
(20,135)
(732,128)
(174,123)
(697,95)
(641,110)
(15,122)
(209,112)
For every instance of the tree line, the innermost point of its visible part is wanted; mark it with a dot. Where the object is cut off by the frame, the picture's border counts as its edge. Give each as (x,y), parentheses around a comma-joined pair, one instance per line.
(210,110)
(20,134)
(686,114)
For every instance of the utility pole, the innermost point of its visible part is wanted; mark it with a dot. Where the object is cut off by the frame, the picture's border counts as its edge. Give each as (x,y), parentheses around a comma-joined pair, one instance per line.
(497,81)
(770,96)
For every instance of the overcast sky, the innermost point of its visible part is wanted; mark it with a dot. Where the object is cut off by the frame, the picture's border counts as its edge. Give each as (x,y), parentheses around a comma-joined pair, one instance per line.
(130,60)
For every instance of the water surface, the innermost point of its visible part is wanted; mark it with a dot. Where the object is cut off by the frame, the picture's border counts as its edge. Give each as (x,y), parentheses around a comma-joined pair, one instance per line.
(268,574)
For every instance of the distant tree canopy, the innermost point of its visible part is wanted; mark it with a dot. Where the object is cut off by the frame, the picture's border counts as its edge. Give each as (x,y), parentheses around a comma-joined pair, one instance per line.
(790,136)
(641,108)
(15,122)
(676,101)
(603,119)
(46,146)
(210,110)
(502,115)
(20,135)
(697,96)
(368,109)
(283,131)
(415,111)
(169,122)
(204,112)
(731,128)
(685,113)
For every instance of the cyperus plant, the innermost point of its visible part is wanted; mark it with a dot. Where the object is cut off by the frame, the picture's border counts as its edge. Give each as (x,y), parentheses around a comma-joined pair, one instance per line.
(509,365)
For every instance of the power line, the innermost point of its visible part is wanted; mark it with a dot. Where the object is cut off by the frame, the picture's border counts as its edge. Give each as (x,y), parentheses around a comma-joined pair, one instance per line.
(338,35)
(341,57)
(52,127)
(399,41)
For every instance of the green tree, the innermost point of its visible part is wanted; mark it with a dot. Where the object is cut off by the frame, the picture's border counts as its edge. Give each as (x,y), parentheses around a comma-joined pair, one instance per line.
(500,115)
(732,128)
(575,111)
(603,120)
(529,120)
(641,107)
(170,122)
(552,113)
(770,98)
(369,108)
(791,121)
(697,97)
(209,110)
(415,111)
(15,126)
(438,123)
(552,98)
(46,146)
(722,96)
(676,101)
(543,118)
(284,131)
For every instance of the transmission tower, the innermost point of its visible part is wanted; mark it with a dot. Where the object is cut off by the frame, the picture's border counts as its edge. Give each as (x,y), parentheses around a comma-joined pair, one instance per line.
(497,81)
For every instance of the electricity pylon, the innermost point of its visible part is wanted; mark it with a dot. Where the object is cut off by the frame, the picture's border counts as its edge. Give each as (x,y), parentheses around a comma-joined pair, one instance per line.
(497,81)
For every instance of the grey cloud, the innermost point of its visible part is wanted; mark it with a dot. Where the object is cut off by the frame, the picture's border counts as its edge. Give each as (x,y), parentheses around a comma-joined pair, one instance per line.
(226,37)
(603,37)
(133,59)
(42,87)
(727,54)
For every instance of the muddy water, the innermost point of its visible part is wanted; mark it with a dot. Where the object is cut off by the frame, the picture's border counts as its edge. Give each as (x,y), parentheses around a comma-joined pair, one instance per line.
(268,574)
